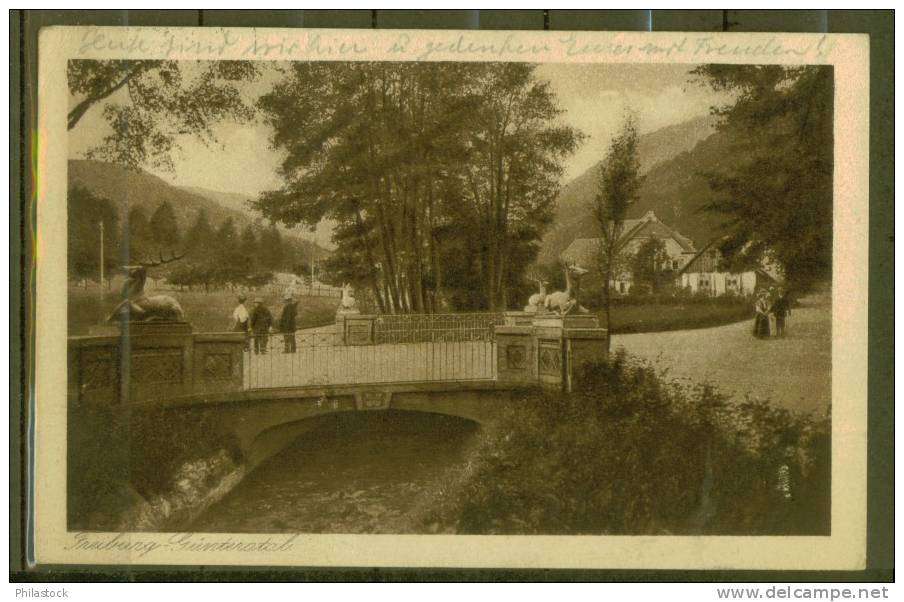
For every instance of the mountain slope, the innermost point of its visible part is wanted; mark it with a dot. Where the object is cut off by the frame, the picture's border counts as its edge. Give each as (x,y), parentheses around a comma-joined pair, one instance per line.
(322,234)
(230,200)
(671,159)
(127,189)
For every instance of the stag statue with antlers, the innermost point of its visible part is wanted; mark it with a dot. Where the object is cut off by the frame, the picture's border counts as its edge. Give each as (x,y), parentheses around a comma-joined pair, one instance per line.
(565,301)
(136,306)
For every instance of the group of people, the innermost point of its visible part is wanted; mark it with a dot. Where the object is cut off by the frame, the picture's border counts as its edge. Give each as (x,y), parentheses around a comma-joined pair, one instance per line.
(258,324)
(772,310)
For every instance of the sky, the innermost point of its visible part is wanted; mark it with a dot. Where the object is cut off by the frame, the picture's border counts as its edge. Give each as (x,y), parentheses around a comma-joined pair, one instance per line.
(593,97)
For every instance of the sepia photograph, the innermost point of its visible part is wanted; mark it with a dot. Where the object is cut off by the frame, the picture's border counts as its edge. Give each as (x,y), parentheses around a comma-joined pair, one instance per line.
(455,292)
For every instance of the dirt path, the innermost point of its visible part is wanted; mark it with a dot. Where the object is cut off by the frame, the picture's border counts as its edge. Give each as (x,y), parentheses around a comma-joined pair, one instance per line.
(794,372)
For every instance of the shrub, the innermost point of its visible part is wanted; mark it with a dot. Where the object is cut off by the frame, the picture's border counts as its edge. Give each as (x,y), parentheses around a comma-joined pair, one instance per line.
(117,458)
(631,453)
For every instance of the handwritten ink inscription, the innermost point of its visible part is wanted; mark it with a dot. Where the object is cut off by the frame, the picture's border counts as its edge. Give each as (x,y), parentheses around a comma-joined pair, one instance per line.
(278,45)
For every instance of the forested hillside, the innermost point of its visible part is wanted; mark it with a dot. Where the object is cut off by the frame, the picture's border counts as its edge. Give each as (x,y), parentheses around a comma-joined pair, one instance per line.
(145,217)
(672,159)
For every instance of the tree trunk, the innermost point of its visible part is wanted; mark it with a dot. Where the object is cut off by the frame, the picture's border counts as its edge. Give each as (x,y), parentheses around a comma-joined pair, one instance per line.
(368,253)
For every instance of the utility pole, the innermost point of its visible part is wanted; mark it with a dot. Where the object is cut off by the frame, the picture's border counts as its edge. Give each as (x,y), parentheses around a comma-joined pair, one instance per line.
(101,224)
(312,266)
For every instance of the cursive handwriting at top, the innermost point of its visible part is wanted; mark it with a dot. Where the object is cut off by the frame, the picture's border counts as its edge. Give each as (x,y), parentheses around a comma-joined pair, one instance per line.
(220,43)
(462,45)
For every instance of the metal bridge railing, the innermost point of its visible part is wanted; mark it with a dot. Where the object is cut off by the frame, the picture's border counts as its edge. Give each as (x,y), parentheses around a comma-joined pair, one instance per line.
(405,349)
(416,328)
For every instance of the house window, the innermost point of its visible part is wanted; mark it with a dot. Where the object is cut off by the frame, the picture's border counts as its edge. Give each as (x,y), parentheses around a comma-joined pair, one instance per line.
(674,264)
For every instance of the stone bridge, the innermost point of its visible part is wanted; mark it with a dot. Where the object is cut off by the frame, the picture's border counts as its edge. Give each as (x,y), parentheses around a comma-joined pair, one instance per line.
(266,401)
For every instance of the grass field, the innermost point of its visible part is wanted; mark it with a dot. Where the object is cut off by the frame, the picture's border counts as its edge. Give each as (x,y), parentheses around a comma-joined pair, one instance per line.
(207,312)
(212,311)
(660,317)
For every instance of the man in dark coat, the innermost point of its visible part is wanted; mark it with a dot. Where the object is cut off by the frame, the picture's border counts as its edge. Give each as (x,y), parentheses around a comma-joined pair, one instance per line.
(261,320)
(287,323)
(781,308)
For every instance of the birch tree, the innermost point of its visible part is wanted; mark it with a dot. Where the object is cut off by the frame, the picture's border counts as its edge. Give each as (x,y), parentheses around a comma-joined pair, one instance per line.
(618,187)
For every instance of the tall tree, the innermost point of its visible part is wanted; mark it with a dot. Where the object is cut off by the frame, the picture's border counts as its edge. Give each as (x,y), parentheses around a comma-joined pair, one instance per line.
(136,236)
(650,265)
(270,249)
(228,266)
(618,187)
(165,228)
(199,237)
(249,249)
(148,104)
(405,156)
(86,212)
(776,191)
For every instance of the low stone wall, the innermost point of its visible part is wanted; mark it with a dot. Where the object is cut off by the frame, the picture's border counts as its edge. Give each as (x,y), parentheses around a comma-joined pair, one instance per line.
(153,361)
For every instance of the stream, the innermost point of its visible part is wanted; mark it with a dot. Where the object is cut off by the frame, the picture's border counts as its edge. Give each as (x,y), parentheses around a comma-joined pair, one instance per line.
(356,472)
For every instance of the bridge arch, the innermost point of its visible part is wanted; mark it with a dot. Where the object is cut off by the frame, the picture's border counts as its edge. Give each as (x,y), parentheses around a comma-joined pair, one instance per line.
(274,439)
(266,421)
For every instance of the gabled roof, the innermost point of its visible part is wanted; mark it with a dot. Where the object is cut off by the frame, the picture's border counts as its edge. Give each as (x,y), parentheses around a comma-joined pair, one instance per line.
(583,251)
(648,226)
(695,259)
(691,265)
(656,229)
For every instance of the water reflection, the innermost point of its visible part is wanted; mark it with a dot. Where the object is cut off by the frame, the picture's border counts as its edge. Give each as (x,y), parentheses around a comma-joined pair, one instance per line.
(357,472)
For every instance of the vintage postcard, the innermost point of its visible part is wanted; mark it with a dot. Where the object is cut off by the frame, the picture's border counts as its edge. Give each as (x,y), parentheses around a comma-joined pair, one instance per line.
(451,298)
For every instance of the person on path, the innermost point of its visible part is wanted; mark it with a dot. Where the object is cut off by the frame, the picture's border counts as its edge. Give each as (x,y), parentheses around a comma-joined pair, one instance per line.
(261,321)
(287,323)
(761,320)
(773,296)
(781,308)
(240,318)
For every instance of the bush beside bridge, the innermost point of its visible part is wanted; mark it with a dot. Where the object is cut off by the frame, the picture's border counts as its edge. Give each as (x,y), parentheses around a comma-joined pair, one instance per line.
(632,453)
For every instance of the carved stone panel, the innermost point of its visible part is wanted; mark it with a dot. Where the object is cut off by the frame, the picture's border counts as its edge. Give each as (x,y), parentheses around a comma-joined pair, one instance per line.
(358,333)
(516,357)
(549,358)
(217,366)
(157,366)
(373,400)
(97,375)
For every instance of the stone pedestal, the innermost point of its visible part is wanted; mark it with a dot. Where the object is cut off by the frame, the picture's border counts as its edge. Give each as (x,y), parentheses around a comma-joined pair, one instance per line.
(518,318)
(356,328)
(550,351)
(515,355)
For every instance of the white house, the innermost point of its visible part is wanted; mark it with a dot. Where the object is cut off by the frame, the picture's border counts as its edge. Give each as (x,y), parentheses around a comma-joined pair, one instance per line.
(704,273)
(679,249)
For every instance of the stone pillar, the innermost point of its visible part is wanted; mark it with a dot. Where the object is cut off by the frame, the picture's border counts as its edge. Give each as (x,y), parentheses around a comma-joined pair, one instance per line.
(356,328)
(563,344)
(518,318)
(582,345)
(218,360)
(549,350)
(515,355)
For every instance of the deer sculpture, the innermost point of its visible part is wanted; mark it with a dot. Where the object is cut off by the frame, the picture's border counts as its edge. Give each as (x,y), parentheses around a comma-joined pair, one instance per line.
(136,306)
(348,302)
(537,301)
(562,302)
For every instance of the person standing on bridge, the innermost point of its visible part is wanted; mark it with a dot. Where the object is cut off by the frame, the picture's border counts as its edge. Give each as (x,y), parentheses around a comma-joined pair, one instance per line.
(287,323)
(240,318)
(261,320)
